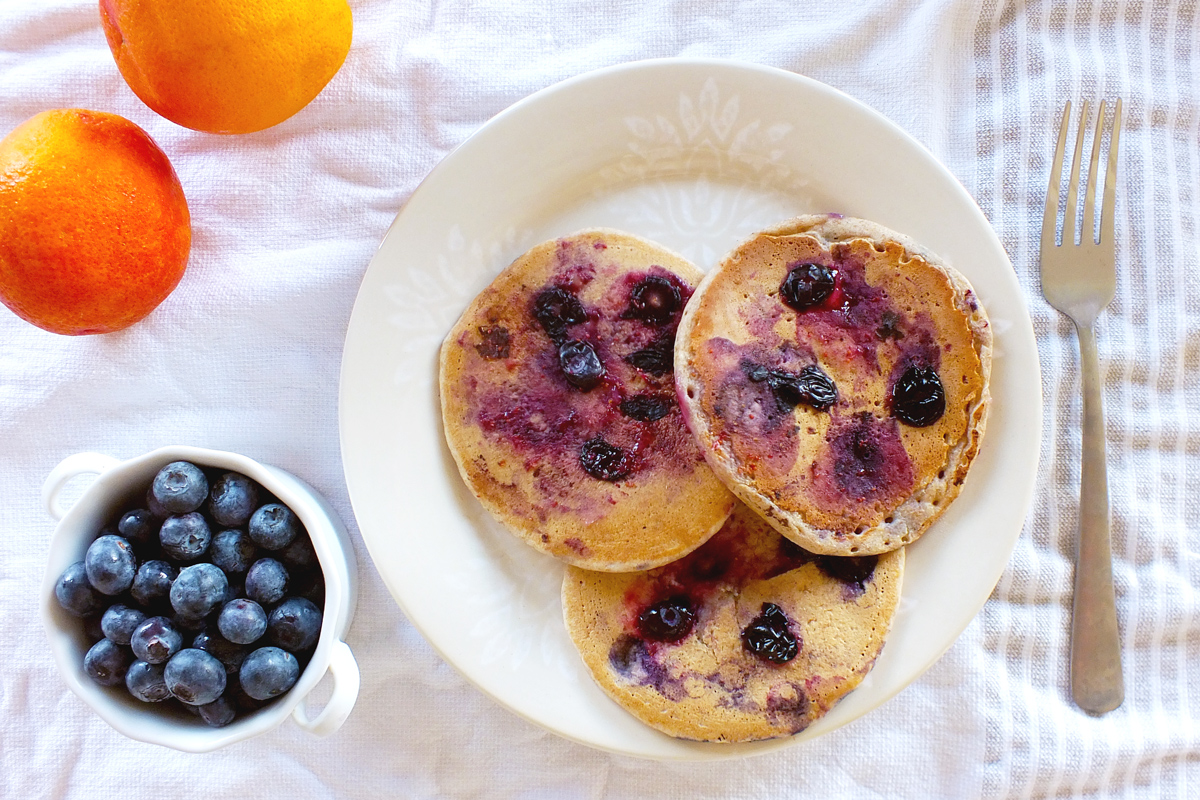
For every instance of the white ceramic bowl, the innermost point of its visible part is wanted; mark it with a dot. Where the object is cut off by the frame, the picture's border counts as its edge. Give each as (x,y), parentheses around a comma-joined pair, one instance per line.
(120,485)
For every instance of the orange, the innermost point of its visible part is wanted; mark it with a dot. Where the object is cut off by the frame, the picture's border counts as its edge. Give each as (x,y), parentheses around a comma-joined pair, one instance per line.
(94,227)
(227,66)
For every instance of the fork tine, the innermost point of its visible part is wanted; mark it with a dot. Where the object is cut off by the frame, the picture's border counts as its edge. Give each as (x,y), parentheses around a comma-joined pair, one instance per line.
(1068,235)
(1087,234)
(1108,211)
(1050,216)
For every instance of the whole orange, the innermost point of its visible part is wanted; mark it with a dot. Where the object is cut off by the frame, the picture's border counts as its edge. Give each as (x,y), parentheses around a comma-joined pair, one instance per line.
(94,227)
(227,66)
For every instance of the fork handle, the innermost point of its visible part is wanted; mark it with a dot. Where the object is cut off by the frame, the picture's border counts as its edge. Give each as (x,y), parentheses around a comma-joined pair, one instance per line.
(1097,682)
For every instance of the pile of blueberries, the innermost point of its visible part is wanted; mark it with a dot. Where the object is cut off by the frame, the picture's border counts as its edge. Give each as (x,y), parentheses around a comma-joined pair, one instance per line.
(209,596)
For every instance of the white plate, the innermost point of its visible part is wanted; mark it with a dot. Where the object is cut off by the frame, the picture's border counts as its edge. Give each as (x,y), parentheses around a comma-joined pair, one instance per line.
(696,155)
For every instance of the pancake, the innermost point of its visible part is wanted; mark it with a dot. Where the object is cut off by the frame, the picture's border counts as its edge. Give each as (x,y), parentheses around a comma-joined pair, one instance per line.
(836,376)
(559,405)
(749,637)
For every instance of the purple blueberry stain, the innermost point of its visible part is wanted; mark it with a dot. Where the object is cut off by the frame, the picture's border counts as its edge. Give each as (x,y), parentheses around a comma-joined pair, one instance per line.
(494,342)
(626,653)
(854,572)
(869,460)
(708,566)
(577,545)
(788,707)
(889,326)
(532,421)
(632,659)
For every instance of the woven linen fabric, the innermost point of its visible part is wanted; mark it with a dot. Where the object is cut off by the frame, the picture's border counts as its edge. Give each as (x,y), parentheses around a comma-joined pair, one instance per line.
(1029,59)
(245,356)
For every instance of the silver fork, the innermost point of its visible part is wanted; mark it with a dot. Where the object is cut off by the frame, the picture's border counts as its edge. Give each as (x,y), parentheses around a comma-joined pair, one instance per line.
(1080,280)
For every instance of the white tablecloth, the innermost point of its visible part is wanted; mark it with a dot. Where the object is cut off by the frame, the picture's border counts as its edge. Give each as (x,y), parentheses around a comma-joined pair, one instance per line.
(245,355)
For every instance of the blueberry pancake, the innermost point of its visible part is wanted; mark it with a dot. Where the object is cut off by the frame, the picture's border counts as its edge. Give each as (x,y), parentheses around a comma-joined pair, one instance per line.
(836,376)
(749,637)
(559,405)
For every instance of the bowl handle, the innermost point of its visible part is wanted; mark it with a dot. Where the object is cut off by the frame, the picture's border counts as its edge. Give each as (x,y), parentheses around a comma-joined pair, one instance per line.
(344,670)
(71,467)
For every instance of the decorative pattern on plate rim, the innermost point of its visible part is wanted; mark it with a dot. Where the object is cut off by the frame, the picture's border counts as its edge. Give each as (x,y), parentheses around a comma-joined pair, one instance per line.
(709,139)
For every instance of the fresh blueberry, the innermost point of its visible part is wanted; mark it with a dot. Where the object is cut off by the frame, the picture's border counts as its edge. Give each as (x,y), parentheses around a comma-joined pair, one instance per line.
(268,672)
(769,637)
(219,712)
(309,584)
(199,589)
(266,582)
(580,365)
(294,625)
(274,526)
(237,586)
(807,285)
(189,623)
(145,681)
(110,564)
(233,499)
(180,487)
(106,662)
(152,584)
(557,309)
(918,397)
(75,594)
(139,526)
(299,555)
(195,677)
(92,629)
(237,695)
(668,620)
(229,654)
(604,461)
(243,621)
(185,537)
(156,640)
(654,300)
(155,507)
(120,621)
(233,551)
